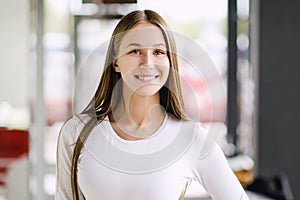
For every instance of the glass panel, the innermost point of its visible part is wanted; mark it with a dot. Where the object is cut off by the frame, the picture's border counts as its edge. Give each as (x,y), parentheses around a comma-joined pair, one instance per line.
(58,82)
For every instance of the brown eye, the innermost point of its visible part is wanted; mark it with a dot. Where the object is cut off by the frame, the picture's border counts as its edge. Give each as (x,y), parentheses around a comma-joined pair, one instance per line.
(135,51)
(159,52)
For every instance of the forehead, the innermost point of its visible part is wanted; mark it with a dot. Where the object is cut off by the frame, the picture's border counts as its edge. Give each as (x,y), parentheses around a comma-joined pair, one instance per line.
(143,34)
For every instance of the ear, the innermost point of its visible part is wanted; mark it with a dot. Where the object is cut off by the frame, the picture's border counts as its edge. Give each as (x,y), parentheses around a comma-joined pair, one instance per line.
(115,66)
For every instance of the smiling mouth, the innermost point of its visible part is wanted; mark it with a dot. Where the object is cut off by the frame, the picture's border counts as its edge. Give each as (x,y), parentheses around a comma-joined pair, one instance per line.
(146,77)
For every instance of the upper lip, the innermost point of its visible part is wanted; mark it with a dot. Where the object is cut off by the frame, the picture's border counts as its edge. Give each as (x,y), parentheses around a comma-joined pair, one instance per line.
(147,75)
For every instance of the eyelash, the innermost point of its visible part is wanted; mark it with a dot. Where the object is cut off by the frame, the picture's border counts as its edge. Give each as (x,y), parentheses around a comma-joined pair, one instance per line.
(156,52)
(160,52)
(135,51)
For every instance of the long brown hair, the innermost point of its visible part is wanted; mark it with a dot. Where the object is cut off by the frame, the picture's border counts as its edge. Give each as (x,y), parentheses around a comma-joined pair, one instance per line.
(103,102)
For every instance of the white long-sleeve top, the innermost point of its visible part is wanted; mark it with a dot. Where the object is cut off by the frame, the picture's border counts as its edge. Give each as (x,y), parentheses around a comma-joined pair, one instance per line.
(154,168)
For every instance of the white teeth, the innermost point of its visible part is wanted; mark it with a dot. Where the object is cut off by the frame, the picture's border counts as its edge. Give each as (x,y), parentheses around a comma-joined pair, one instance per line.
(146,78)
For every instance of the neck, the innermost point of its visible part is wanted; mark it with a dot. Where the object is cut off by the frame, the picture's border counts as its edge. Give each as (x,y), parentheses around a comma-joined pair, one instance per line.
(138,116)
(141,110)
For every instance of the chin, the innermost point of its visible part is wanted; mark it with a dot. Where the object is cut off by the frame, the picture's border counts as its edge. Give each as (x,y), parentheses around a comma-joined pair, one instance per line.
(148,90)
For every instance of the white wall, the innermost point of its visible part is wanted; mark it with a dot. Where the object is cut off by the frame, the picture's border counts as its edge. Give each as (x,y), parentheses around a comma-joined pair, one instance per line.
(14,47)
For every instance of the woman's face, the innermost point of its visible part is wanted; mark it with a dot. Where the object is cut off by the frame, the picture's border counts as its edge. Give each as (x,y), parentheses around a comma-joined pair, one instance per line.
(142,59)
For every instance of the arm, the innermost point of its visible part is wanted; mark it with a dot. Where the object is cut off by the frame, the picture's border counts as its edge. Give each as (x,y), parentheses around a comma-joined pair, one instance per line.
(65,145)
(216,176)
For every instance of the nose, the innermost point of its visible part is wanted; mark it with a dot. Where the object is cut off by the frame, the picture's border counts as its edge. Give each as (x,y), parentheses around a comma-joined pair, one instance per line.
(148,58)
(147,61)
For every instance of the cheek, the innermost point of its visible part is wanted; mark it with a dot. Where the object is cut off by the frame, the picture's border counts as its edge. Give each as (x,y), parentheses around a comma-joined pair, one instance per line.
(165,72)
(165,67)
(163,61)
(127,64)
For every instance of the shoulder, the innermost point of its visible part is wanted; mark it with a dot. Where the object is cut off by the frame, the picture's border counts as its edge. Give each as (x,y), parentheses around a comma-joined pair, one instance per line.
(193,132)
(72,127)
(206,139)
(187,127)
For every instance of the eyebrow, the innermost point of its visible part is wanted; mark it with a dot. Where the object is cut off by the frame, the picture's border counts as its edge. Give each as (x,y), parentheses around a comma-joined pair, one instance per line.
(139,45)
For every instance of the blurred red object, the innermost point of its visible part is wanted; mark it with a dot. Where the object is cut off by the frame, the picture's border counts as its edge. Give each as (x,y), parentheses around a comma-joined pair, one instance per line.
(13,145)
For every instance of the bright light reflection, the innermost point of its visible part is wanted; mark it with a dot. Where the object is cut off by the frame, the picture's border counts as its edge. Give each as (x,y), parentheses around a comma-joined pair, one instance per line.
(188,9)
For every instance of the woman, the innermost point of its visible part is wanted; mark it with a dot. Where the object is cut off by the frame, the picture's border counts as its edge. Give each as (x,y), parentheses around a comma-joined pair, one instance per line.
(134,140)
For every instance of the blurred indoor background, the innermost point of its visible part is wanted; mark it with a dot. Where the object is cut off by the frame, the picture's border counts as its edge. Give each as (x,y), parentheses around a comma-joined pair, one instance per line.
(252,96)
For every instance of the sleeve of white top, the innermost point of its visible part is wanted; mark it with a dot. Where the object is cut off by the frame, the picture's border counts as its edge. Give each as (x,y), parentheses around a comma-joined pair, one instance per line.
(66,142)
(216,176)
